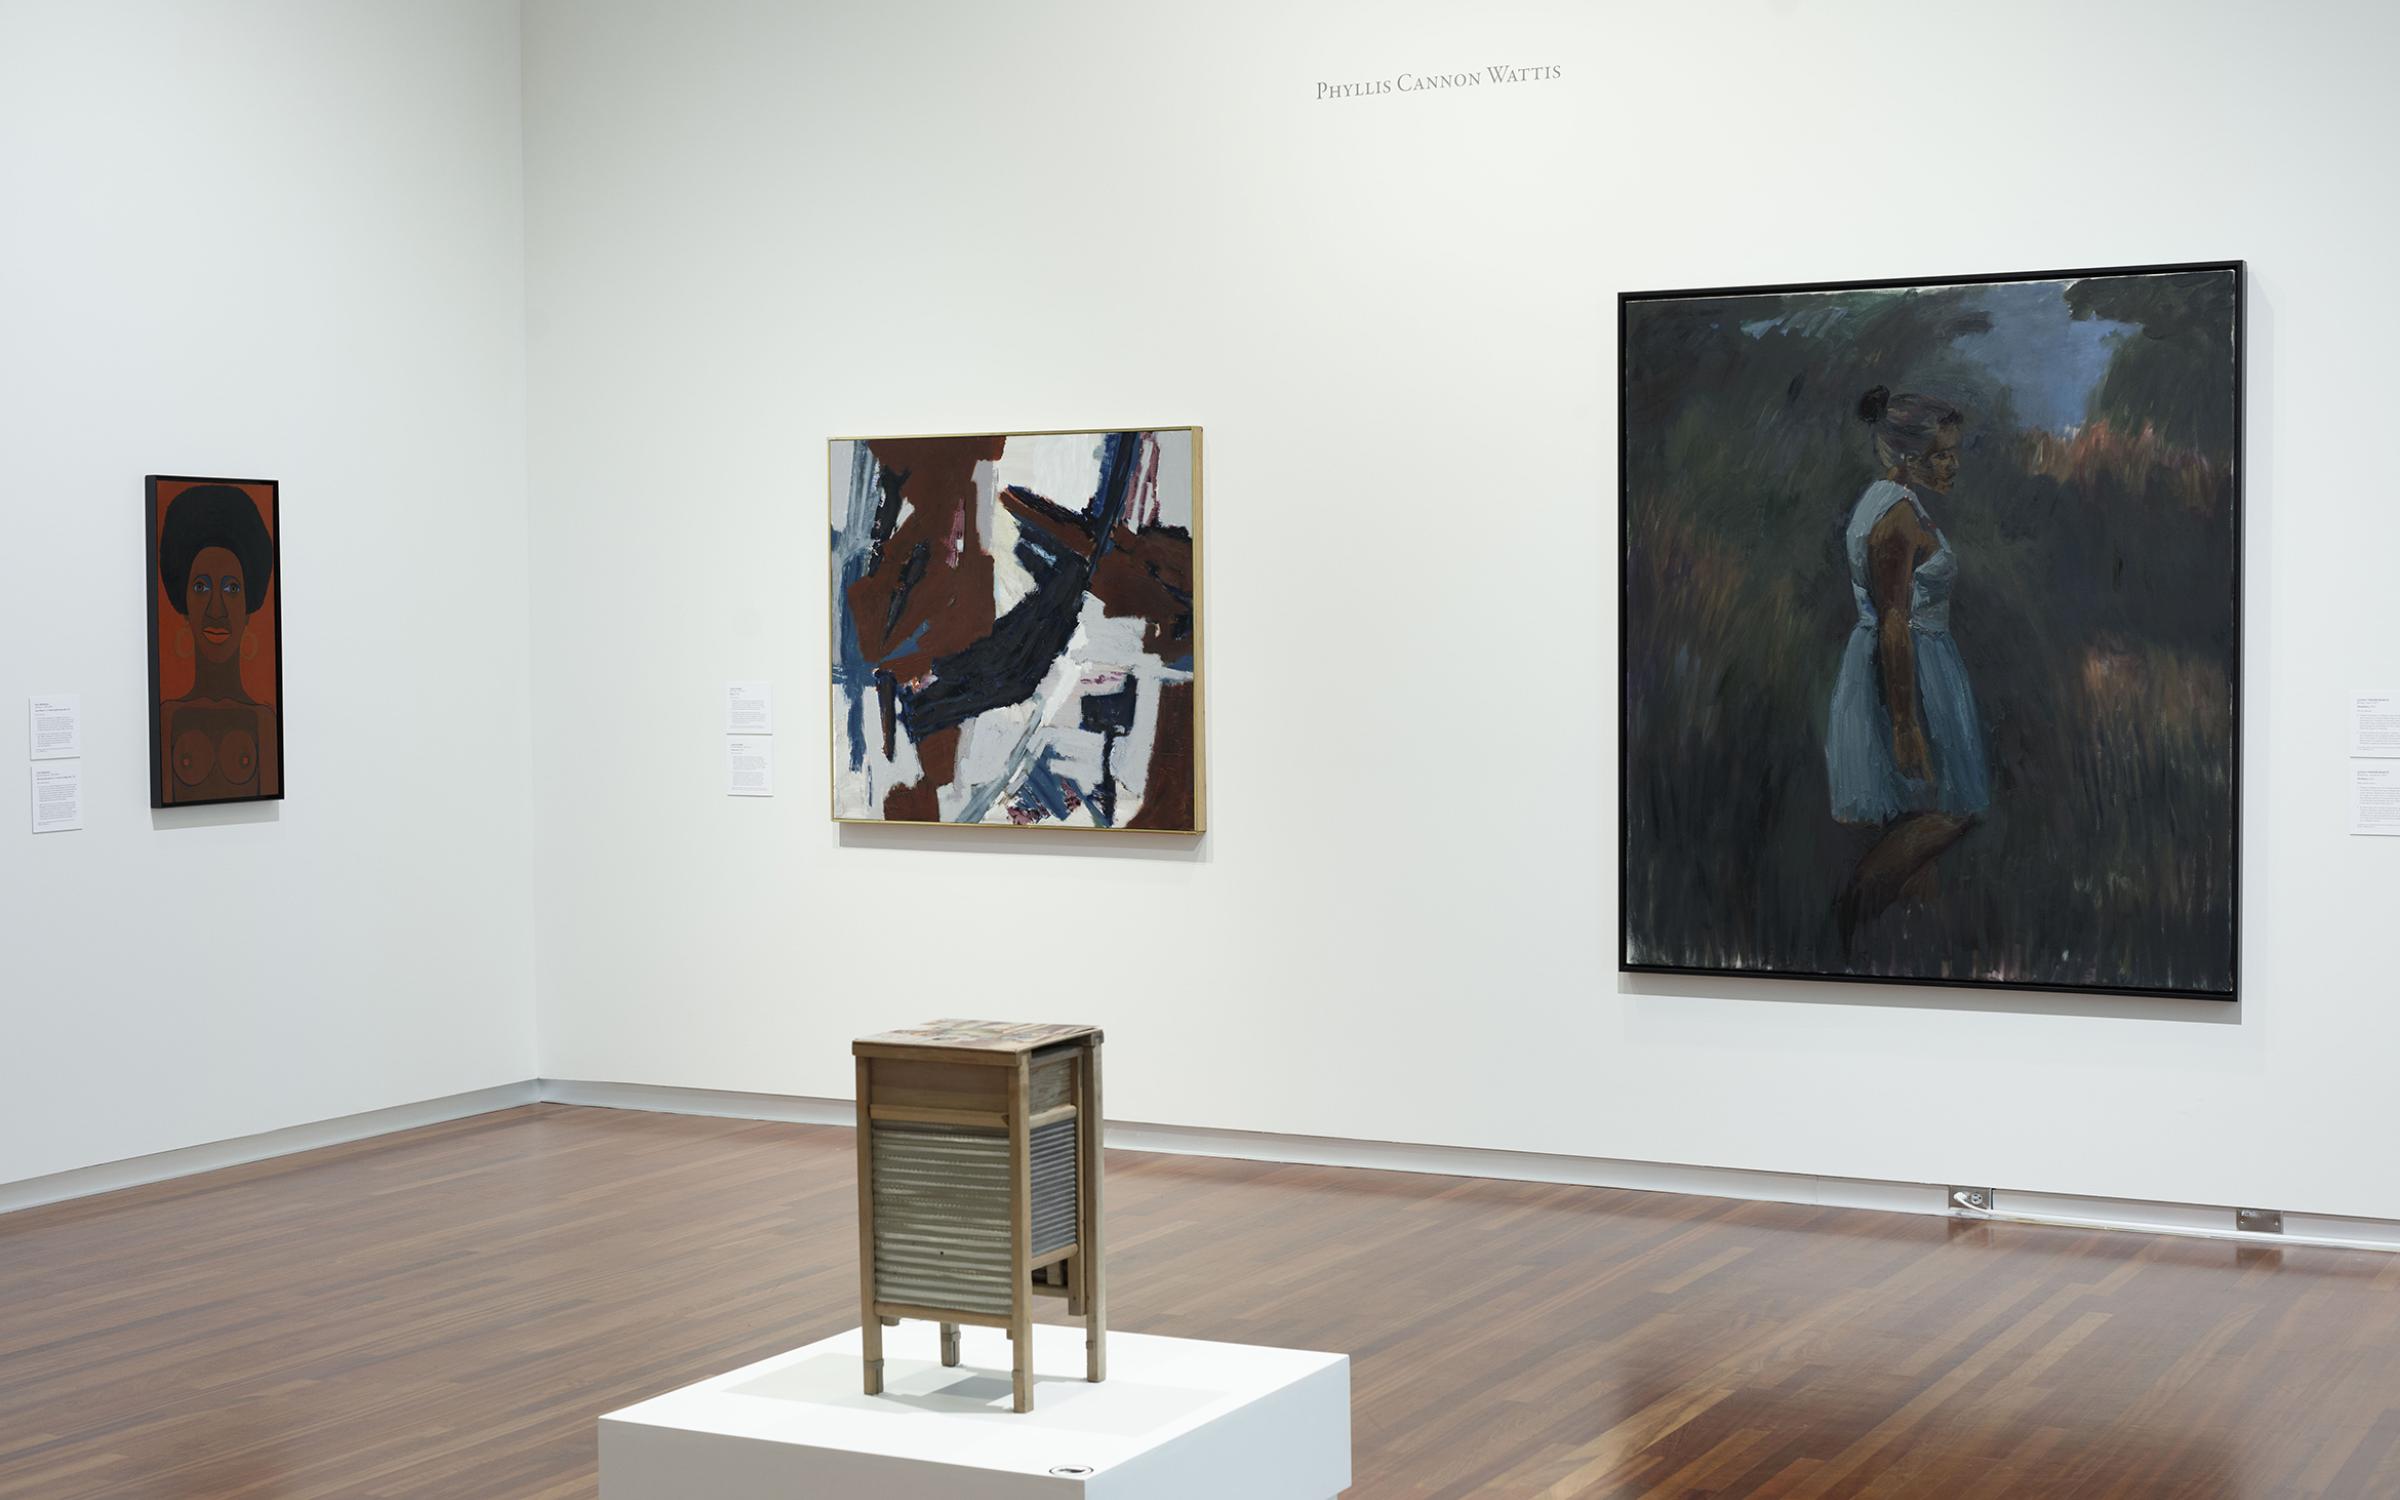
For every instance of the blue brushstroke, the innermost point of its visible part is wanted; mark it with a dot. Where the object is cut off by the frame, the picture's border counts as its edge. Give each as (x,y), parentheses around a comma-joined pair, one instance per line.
(2050,360)
(1106,451)
(853,548)
(907,644)
(1043,786)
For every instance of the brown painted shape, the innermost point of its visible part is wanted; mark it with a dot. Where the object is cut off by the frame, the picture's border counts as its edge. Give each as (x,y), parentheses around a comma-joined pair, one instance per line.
(950,599)
(920,801)
(1170,786)
(1148,575)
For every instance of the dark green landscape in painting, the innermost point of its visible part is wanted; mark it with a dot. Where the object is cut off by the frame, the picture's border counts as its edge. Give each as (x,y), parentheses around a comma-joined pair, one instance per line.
(1932,631)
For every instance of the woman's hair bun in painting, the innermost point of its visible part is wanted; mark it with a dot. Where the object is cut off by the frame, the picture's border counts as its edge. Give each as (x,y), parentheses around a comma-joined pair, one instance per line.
(215,515)
(1905,425)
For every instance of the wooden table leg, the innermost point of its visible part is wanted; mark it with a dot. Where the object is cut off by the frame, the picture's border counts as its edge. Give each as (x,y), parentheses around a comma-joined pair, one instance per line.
(1091,1268)
(870,1327)
(1020,1230)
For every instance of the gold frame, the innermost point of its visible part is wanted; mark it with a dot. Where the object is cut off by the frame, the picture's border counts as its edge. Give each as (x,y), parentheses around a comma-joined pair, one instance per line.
(1199,651)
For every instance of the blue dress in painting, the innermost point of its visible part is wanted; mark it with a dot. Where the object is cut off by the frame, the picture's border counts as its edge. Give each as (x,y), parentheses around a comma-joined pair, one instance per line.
(1866,781)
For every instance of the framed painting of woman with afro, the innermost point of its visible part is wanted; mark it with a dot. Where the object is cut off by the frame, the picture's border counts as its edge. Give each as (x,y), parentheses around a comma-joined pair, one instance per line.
(1930,629)
(216,640)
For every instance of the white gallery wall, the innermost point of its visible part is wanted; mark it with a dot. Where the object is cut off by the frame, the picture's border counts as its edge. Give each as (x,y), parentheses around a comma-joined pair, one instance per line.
(543,317)
(278,239)
(753,226)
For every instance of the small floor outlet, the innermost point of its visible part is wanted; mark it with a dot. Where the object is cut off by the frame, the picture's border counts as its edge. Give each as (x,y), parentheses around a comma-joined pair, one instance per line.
(2258,1220)
(1970,1200)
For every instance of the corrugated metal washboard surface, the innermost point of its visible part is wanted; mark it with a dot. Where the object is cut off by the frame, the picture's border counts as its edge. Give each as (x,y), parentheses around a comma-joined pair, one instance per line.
(941,1216)
(1053,1188)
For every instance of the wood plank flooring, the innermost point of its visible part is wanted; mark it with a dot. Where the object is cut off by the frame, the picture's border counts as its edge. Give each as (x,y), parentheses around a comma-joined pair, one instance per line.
(444,1313)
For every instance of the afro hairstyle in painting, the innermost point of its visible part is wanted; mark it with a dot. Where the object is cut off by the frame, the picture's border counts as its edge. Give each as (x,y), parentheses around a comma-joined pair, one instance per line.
(215,515)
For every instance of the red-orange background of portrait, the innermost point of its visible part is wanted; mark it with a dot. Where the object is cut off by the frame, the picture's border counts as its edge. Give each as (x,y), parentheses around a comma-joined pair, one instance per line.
(176,665)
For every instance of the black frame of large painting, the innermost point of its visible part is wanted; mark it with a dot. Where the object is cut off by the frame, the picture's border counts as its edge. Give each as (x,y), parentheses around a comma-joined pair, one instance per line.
(1625,303)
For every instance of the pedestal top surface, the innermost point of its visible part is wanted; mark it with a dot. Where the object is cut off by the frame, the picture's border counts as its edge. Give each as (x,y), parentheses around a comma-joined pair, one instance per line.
(1158,1389)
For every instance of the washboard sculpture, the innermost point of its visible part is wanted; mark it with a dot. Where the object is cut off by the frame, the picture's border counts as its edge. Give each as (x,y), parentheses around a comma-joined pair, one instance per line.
(979,1184)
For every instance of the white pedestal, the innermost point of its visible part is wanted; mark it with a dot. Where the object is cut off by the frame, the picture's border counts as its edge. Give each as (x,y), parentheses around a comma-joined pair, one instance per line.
(1177,1419)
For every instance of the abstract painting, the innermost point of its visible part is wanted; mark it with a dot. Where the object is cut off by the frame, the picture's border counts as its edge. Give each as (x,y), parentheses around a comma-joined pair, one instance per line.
(1016,630)
(1930,630)
(216,640)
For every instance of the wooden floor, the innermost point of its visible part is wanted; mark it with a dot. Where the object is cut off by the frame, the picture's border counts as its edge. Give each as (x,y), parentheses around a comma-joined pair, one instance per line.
(444,1313)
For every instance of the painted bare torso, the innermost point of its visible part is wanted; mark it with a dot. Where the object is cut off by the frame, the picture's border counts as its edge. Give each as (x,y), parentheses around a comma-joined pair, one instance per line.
(217,749)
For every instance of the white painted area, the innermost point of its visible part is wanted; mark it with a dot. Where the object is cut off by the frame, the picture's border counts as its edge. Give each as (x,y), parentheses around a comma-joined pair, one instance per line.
(1063,470)
(282,239)
(1177,1419)
(751,227)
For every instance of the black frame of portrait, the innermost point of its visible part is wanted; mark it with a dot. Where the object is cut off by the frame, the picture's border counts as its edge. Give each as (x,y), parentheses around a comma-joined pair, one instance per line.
(157,760)
(2239,270)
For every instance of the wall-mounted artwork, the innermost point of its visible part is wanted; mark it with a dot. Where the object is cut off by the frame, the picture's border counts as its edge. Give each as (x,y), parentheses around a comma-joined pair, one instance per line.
(216,640)
(1016,630)
(1931,630)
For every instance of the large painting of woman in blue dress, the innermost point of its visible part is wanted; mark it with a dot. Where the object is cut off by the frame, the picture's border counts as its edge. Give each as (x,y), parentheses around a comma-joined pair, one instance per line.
(1931,630)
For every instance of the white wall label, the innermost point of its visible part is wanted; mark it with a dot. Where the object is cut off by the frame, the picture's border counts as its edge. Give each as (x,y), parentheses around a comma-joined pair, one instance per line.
(749,766)
(56,728)
(58,797)
(2375,724)
(749,708)
(2375,799)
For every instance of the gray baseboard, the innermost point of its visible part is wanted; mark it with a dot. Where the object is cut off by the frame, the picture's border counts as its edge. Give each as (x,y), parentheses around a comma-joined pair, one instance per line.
(2133,1215)
(2009,1204)
(108,1177)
